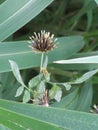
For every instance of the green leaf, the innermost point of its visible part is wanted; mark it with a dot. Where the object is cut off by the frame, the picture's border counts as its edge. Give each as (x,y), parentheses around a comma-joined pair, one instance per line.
(82,60)
(85,77)
(80,99)
(1,1)
(55,93)
(25,58)
(80,80)
(41,88)
(89,5)
(69,101)
(67,85)
(9,86)
(47,77)
(16,72)
(34,82)
(26,96)
(58,95)
(15,121)
(96,1)
(19,91)
(21,11)
(3,127)
(85,98)
(69,119)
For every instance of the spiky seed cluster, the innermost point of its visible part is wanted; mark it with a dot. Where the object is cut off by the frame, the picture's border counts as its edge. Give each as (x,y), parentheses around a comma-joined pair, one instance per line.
(43,41)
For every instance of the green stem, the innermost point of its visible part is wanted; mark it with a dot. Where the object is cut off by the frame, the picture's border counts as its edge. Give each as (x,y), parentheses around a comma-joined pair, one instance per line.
(41,64)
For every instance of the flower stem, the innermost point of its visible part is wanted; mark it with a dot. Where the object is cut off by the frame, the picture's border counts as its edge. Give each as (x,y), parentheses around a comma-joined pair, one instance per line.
(41,64)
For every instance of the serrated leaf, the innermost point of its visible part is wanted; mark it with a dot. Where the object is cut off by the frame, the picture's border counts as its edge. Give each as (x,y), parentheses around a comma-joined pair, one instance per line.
(16,72)
(19,91)
(26,96)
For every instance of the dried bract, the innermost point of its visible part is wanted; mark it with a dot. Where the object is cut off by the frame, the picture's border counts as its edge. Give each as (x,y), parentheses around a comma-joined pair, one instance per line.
(43,42)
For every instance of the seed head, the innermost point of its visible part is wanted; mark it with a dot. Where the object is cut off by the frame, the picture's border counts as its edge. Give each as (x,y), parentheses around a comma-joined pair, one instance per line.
(43,41)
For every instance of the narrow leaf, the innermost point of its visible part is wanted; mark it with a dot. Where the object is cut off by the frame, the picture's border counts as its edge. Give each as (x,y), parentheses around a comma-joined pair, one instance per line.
(22,12)
(82,60)
(16,121)
(25,58)
(72,120)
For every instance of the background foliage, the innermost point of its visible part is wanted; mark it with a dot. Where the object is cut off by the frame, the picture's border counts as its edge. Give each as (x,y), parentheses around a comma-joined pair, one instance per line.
(73,64)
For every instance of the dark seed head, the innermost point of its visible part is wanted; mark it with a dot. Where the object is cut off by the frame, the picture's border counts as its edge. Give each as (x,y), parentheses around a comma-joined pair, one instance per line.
(42,42)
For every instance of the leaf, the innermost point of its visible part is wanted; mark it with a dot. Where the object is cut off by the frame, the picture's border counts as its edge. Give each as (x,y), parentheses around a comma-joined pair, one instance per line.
(67,85)
(41,88)
(85,77)
(80,99)
(25,58)
(55,93)
(19,91)
(1,1)
(69,101)
(16,72)
(34,82)
(26,96)
(85,98)
(96,1)
(3,127)
(72,120)
(88,6)
(79,61)
(58,95)
(22,12)
(82,60)
(9,86)
(16,121)
(80,80)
